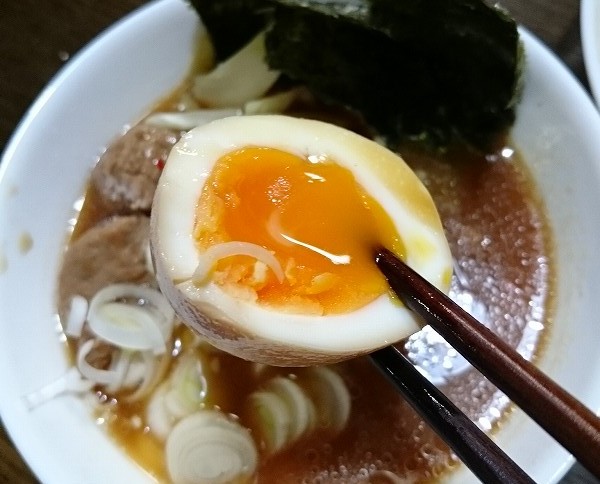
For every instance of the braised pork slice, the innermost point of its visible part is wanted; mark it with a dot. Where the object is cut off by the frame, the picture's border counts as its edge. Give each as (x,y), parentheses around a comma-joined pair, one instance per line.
(111,252)
(126,175)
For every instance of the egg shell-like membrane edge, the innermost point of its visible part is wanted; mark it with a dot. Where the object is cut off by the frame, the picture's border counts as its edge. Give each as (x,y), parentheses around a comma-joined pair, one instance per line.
(261,334)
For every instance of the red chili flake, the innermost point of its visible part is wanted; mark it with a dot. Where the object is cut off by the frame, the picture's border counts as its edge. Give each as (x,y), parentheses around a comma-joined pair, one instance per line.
(160,163)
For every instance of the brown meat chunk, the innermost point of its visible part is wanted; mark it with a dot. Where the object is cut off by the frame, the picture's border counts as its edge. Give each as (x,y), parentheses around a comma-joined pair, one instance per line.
(111,252)
(100,355)
(126,175)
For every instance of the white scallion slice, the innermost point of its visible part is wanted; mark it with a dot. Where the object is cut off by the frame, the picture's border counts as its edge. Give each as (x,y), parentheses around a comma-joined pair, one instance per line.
(269,418)
(154,370)
(140,364)
(145,324)
(187,387)
(159,419)
(179,396)
(146,295)
(301,409)
(275,230)
(276,103)
(148,258)
(189,119)
(127,326)
(208,448)
(70,383)
(327,390)
(77,316)
(139,372)
(388,477)
(120,364)
(214,253)
(98,376)
(241,78)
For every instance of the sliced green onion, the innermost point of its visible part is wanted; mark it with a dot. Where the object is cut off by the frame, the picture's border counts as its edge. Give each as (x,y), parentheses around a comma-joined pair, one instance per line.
(214,253)
(154,371)
(120,363)
(276,103)
(388,477)
(127,326)
(208,448)
(159,419)
(99,376)
(77,316)
(148,259)
(269,417)
(141,364)
(143,325)
(286,409)
(241,78)
(179,396)
(187,387)
(190,119)
(140,368)
(301,409)
(327,390)
(70,383)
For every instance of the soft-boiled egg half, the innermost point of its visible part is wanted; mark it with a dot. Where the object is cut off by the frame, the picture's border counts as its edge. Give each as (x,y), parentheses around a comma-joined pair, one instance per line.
(264,230)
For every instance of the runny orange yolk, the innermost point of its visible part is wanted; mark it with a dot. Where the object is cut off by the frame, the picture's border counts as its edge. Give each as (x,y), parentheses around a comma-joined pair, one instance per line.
(311,214)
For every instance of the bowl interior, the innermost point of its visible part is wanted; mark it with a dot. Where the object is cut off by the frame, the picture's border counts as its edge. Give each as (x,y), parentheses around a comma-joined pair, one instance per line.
(557,133)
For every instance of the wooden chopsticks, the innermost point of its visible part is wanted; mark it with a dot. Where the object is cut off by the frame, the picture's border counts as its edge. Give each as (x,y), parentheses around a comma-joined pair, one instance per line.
(485,459)
(566,419)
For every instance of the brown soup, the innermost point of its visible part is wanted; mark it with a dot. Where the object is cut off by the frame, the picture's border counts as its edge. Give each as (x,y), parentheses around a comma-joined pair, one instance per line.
(502,246)
(501,243)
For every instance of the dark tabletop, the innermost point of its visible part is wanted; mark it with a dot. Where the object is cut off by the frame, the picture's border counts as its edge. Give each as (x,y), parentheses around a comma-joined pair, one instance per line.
(37,37)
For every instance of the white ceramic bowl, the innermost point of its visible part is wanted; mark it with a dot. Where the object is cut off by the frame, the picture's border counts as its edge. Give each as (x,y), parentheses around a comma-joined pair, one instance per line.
(45,167)
(590,40)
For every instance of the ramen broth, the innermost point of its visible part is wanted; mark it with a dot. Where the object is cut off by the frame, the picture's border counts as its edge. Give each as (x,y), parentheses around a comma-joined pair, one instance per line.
(502,246)
(500,240)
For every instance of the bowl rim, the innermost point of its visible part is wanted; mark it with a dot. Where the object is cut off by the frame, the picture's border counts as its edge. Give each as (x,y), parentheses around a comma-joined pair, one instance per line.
(155,9)
(589,23)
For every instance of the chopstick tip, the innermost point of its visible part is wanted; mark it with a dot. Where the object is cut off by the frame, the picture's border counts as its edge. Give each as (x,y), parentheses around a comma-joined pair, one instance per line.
(379,253)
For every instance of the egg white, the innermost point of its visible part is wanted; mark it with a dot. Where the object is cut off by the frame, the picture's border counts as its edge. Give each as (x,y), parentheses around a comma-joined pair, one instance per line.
(262,334)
